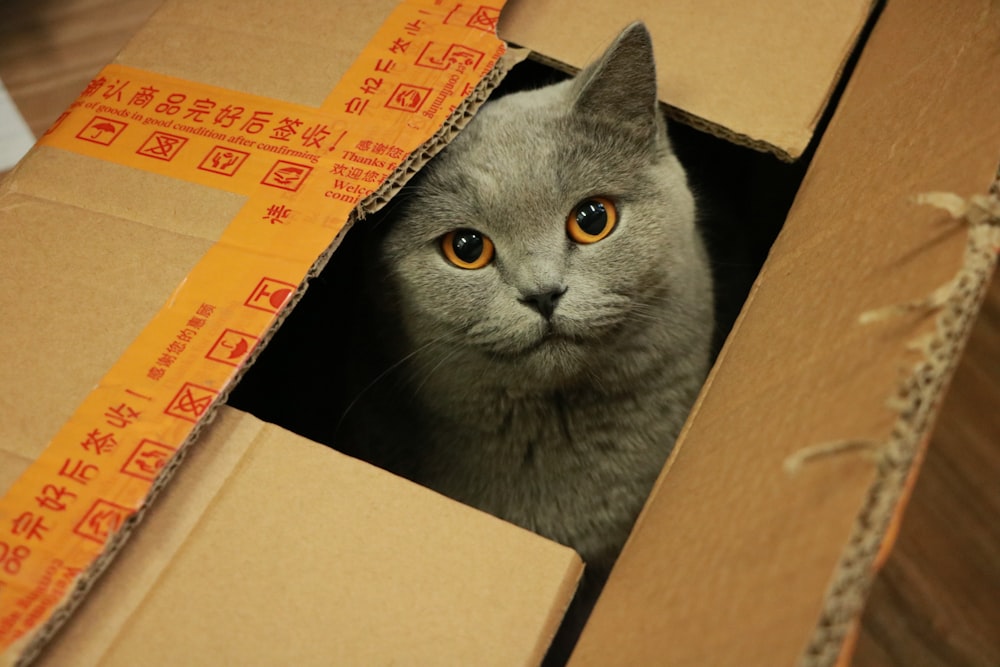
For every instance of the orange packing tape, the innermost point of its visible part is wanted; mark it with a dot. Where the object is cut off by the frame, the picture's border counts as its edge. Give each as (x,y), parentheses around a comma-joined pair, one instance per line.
(304,171)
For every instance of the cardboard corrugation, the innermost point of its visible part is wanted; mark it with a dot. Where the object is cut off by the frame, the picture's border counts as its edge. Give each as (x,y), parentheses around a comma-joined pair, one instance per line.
(759,75)
(142,210)
(207,565)
(918,400)
(734,561)
(372,203)
(768,568)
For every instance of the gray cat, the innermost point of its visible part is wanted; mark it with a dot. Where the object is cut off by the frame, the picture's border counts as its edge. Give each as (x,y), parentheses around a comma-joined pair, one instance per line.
(544,309)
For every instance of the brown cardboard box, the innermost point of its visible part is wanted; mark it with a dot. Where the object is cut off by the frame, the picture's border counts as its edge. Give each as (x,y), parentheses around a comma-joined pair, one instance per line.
(94,249)
(735,560)
(748,563)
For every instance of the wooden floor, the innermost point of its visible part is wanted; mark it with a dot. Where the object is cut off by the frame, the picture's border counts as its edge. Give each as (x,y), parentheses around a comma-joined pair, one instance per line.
(937,602)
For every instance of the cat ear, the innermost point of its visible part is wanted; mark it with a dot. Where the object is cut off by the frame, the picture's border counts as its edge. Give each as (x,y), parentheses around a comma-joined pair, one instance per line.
(621,85)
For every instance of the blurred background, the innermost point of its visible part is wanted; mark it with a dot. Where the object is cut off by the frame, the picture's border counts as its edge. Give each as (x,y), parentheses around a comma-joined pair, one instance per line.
(936,602)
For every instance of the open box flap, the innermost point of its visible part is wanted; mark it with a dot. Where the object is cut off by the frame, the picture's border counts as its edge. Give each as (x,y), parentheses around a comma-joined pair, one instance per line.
(94,249)
(735,559)
(756,73)
(263,533)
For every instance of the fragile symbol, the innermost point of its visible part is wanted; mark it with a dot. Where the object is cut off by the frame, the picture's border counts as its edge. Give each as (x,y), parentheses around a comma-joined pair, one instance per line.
(102,520)
(408,97)
(191,402)
(101,130)
(232,346)
(269,295)
(287,175)
(223,160)
(148,460)
(162,146)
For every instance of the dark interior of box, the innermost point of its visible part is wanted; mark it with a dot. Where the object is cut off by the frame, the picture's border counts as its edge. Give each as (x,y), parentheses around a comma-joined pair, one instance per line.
(743,198)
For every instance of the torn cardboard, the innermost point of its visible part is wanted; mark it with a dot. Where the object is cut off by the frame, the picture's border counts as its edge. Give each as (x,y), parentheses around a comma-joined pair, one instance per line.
(727,527)
(731,549)
(113,216)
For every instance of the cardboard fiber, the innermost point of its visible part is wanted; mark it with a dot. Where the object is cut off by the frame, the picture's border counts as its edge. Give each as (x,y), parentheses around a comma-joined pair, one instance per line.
(80,233)
(731,548)
(730,562)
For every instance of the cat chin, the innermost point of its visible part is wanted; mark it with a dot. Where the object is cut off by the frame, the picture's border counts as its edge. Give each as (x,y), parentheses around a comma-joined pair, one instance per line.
(551,358)
(557,337)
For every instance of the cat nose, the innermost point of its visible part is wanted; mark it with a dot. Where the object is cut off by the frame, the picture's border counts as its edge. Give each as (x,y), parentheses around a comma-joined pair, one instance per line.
(545,301)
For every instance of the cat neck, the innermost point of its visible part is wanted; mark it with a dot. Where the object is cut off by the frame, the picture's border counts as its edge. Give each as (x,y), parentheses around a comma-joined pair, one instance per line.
(475,387)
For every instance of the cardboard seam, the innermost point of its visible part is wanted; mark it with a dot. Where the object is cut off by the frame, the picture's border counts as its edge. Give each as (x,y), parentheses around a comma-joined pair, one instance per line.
(916,401)
(111,216)
(34,642)
(37,640)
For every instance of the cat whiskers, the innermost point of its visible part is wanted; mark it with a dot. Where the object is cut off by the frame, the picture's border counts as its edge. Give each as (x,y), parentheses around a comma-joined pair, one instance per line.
(381,376)
(440,362)
(646,314)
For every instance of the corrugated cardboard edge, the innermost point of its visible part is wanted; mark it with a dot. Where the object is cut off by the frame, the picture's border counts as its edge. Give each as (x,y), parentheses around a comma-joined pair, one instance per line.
(917,401)
(697,122)
(28,647)
(856,43)
(854,46)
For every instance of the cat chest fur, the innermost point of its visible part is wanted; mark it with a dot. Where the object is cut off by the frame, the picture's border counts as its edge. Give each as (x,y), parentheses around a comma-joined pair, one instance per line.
(574,465)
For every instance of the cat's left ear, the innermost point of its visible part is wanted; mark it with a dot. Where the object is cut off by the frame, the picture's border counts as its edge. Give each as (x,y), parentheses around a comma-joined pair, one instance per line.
(621,85)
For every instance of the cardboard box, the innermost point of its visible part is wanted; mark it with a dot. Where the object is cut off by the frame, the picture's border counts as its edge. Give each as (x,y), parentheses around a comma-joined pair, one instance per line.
(735,560)
(104,247)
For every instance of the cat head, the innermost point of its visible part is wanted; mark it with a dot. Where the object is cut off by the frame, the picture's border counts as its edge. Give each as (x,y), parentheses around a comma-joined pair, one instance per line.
(557,223)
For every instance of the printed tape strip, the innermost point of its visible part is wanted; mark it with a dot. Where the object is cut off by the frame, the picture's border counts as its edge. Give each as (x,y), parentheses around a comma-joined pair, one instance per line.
(302,170)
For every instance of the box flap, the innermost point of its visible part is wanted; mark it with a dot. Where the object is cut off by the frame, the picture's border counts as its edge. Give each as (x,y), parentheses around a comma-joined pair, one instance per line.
(736,561)
(263,534)
(94,250)
(757,73)
(80,235)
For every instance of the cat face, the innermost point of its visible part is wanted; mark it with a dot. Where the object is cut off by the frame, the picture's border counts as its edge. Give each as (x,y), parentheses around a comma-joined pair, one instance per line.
(556,226)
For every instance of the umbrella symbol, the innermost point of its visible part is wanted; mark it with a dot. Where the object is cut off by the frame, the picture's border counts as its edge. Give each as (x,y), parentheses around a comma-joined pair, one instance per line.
(102,128)
(239,349)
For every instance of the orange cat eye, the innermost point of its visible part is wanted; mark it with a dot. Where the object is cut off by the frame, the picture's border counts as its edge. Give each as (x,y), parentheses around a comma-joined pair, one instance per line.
(592,220)
(467,248)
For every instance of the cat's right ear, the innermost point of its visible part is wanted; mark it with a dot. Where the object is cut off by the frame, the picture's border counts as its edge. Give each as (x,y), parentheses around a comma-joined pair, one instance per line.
(621,85)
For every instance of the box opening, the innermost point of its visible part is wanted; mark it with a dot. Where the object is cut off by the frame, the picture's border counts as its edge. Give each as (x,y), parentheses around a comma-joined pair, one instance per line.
(743,196)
